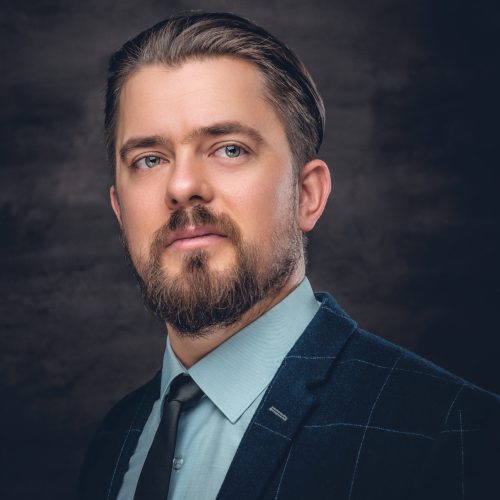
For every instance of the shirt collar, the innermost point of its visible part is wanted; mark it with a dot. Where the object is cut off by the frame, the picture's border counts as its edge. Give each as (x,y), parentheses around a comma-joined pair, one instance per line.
(234,374)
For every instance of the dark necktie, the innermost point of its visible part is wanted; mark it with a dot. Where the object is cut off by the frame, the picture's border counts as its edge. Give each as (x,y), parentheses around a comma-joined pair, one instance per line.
(155,475)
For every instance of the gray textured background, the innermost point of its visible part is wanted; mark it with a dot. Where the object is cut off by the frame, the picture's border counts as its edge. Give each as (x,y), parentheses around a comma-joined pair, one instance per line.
(408,244)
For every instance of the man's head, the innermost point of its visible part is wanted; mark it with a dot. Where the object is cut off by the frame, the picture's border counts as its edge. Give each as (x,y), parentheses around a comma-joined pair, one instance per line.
(213,128)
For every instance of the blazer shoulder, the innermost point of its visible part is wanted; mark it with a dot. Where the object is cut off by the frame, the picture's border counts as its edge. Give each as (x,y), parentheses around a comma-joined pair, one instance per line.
(376,349)
(420,379)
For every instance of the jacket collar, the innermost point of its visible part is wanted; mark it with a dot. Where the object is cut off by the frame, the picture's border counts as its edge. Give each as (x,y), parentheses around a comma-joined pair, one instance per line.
(288,400)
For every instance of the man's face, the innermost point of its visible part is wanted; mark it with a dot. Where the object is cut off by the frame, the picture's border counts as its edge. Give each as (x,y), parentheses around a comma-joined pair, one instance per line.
(204,187)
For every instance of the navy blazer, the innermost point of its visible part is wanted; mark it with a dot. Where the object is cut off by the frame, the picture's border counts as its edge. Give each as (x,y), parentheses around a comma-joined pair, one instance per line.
(347,416)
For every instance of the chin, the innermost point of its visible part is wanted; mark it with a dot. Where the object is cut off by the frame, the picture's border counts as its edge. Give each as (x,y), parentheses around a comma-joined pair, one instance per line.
(198,259)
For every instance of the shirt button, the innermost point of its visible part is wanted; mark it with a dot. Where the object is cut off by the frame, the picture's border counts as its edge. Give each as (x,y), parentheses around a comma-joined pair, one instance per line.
(178,463)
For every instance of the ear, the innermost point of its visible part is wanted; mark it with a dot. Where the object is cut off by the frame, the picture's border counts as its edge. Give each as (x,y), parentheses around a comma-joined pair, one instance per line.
(314,189)
(115,203)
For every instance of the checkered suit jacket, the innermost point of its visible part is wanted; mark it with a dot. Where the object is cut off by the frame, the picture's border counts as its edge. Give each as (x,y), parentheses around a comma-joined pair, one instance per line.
(348,416)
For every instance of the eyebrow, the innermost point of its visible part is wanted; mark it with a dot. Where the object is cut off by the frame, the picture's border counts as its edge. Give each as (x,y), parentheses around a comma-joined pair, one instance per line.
(224,128)
(215,130)
(133,143)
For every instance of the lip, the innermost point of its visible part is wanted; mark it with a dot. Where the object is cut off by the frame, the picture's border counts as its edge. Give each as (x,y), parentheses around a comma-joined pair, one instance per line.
(194,236)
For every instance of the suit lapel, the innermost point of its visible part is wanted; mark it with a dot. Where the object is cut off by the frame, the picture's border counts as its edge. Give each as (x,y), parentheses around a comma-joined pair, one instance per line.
(126,438)
(288,401)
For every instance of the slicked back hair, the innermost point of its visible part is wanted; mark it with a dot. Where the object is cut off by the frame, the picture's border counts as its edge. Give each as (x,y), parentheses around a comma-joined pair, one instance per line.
(288,85)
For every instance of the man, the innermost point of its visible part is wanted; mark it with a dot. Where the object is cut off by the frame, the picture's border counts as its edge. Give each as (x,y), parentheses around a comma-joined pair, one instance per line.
(213,129)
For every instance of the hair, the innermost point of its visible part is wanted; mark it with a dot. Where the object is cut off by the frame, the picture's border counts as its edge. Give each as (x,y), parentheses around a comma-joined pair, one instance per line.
(288,85)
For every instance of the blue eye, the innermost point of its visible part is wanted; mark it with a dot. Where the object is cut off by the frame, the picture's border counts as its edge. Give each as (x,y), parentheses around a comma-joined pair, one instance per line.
(232,151)
(147,162)
(151,161)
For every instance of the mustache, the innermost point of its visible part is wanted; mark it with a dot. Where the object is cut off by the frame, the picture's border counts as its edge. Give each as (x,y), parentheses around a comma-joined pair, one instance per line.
(198,216)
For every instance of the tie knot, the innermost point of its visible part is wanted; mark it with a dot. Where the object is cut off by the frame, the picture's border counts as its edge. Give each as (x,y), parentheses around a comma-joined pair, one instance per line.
(184,390)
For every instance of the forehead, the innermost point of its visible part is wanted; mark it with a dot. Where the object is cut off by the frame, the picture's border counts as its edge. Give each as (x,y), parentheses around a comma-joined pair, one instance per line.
(159,99)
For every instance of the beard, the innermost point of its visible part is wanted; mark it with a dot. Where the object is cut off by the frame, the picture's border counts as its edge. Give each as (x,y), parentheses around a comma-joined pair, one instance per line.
(198,299)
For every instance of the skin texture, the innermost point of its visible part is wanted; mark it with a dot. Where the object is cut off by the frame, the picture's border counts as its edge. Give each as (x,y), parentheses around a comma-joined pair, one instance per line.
(181,110)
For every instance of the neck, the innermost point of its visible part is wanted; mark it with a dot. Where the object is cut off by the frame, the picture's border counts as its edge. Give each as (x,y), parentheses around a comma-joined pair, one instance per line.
(189,350)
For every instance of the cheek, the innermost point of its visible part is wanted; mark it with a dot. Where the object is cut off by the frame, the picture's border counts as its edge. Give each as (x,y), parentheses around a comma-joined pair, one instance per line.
(262,208)
(142,215)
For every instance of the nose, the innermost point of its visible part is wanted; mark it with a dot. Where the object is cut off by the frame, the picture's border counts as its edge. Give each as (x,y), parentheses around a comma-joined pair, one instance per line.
(188,183)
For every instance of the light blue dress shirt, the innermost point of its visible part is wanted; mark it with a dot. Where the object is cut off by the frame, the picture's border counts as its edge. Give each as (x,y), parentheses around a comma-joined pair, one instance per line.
(234,378)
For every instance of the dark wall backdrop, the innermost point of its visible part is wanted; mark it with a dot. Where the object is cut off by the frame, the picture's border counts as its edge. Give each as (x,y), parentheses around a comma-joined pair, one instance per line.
(408,243)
